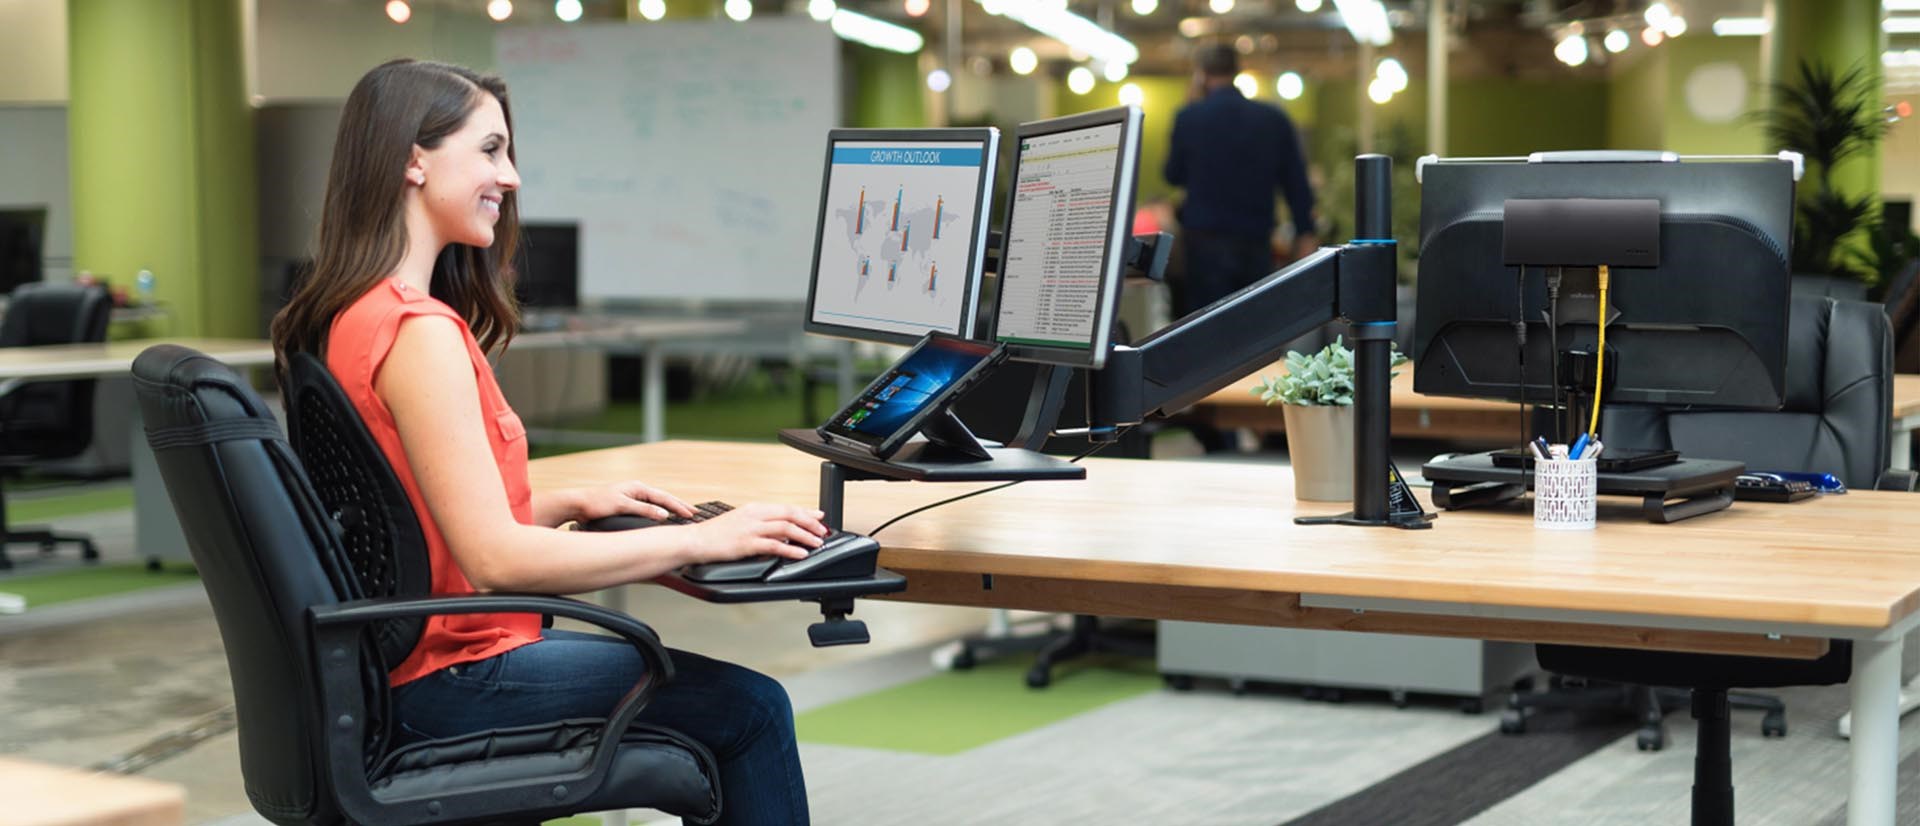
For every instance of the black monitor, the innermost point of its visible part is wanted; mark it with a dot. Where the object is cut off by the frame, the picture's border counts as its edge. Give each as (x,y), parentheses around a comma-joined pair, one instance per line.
(548,266)
(902,233)
(1705,326)
(1068,220)
(23,233)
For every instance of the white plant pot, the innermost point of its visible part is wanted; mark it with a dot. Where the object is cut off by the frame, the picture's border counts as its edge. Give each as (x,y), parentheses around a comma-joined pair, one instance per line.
(1320,445)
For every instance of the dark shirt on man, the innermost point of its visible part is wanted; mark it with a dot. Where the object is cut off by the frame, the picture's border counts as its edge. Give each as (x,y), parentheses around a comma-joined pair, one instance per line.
(1231,154)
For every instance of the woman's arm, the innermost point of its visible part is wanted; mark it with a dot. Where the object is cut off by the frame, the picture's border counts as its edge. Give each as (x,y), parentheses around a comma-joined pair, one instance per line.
(427,382)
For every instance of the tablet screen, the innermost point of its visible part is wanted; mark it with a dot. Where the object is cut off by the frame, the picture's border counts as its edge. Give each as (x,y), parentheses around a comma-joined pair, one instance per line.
(897,399)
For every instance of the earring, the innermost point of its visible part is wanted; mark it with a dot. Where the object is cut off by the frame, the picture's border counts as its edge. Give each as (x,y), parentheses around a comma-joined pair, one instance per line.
(417,178)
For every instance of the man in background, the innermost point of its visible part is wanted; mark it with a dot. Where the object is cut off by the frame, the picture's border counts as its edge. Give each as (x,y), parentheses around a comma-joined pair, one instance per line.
(1231,155)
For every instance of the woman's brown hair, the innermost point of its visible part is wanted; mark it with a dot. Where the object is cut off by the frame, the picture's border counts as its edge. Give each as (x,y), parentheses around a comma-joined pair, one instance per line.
(363,228)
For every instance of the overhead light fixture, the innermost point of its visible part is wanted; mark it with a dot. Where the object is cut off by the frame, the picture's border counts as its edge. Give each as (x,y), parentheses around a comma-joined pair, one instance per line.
(1080,80)
(653,10)
(879,34)
(1901,25)
(1193,27)
(1901,5)
(499,9)
(1022,60)
(1131,95)
(567,10)
(1652,36)
(1145,7)
(739,10)
(1247,84)
(1308,6)
(1394,73)
(918,8)
(1676,26)
(1380,91)
(1290,86)
(398,11)
(938,80)
(821,10)
(1571,50)
(1366,20)
(1617,41)
(1741,26)
(1114,72)
(1220,6)
(1078,33)
(1657,15)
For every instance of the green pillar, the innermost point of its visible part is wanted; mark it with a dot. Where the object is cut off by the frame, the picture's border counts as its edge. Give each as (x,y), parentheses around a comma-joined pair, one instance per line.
(160,138)
(886,88)
(1841,34)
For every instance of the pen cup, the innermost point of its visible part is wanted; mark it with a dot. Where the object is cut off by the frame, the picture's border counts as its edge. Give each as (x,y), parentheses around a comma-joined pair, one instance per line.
(1563,494)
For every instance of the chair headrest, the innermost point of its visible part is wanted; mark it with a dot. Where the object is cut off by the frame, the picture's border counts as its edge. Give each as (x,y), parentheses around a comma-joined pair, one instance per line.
(44,312)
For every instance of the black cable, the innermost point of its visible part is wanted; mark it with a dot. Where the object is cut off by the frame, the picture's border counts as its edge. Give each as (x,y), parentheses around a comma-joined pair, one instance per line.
(1520,343)
(1553,344)
(1002,486)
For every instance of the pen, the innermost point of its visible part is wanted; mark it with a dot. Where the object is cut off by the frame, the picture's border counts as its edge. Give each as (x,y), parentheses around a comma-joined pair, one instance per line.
(1579,445)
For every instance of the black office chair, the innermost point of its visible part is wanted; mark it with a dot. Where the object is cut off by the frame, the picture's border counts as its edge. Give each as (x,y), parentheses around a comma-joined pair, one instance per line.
(47,420)
(309,676)
(1839,400)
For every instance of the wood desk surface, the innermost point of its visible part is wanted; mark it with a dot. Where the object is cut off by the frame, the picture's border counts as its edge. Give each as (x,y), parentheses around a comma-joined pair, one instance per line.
(1220,531)
(60,361)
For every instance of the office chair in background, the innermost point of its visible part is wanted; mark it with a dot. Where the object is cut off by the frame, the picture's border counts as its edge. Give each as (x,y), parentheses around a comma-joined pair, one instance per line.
(310,615)
(1839,400)
(46,420)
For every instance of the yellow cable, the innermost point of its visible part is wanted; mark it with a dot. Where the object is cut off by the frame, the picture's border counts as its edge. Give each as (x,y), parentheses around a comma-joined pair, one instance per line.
(1600,359)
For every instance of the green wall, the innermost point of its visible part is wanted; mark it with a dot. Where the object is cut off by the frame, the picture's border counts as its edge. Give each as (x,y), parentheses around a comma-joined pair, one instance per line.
(1637,102)
(883,89)
(1161,99)
(161,151)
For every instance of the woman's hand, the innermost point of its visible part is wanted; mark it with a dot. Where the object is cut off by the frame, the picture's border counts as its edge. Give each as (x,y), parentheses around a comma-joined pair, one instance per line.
(634,498)
(758,530)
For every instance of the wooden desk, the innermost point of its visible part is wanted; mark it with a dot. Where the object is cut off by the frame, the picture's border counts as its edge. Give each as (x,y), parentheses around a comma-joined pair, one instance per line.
(1774,581)
(42,795)
(1480,421)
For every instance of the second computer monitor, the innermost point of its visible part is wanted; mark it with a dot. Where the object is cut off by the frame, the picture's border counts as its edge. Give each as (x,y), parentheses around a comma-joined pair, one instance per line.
(1068,220)
(902,233)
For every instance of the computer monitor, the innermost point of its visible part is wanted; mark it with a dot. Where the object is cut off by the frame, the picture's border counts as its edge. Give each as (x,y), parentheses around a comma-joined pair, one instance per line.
(547,266)
(1705,327)
(1068,220)
(22,234)
(902,233)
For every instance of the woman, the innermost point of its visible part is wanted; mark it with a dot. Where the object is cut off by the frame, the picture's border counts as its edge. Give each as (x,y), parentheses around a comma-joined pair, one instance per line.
(408,293)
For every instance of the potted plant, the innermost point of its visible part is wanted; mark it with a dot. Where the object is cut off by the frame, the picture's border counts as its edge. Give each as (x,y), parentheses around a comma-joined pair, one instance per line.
(1317,394)
(1829,116)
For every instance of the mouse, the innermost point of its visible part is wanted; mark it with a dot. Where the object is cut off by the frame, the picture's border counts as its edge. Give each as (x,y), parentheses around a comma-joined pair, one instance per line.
(844,555)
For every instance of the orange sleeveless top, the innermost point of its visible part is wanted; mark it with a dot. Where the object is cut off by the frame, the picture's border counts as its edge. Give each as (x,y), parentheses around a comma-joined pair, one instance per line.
(357,345)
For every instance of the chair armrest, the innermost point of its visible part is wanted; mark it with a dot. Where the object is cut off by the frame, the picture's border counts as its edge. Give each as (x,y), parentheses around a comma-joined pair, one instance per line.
(337,630)
(1903,480)
(7,387)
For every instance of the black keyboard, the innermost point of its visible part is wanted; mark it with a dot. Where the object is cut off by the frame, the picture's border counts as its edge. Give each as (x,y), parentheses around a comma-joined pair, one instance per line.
(840,543)
(701,513)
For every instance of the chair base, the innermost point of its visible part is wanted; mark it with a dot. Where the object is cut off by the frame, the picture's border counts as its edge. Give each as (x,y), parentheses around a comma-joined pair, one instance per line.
(1648,703)
(48,541)
(1083,638)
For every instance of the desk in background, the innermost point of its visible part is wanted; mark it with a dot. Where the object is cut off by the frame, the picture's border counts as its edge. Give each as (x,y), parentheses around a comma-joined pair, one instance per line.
(1226,551)
(1479,421)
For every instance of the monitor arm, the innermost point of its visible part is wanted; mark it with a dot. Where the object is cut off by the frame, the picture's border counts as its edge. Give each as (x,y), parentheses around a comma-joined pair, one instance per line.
(1222,343)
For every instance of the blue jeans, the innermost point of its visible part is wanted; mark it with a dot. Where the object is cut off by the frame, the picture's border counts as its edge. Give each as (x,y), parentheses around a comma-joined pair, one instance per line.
(741,715)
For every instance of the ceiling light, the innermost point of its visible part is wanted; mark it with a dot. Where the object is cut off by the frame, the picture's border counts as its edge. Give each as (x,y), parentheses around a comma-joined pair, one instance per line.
(1901,5)
(1617,41)
(879,34)
(1676,26)
(938,80)
(1741,26)
(1379,90)
(1220,6)
(1366,20)
(1571,50)
(1023,61)
(739,10)
(567,10)
(917,8)
(398,11)
(1247,84)
(1289,86)
(1308,6)
(499,9)
(1192,27)
(821,10)
(1652,36)
(653,9)
(1658,14)
(1145,7)
(1130,95)
(1394,73)
(1901,25)
(1071,29)
(1114,72)
(1080,80)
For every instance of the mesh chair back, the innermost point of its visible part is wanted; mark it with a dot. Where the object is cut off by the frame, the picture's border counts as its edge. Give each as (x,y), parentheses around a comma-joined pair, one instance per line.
(385,550)
(52,419)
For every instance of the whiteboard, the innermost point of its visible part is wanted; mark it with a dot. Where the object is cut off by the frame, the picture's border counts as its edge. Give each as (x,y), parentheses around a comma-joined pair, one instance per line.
(689,152)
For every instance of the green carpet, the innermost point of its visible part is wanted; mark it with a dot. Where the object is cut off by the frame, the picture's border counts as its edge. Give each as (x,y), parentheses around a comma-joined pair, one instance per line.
(53,504)
(954,711)
(41,590)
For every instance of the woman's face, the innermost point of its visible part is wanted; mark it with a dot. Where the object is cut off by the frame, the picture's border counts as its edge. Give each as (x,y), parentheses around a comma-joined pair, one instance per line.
(463,180)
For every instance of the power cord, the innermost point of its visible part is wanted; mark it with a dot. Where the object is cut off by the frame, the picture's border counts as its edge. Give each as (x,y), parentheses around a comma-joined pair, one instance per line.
(1600,356)
(1553,344)
(1002,486)
(1520,344)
